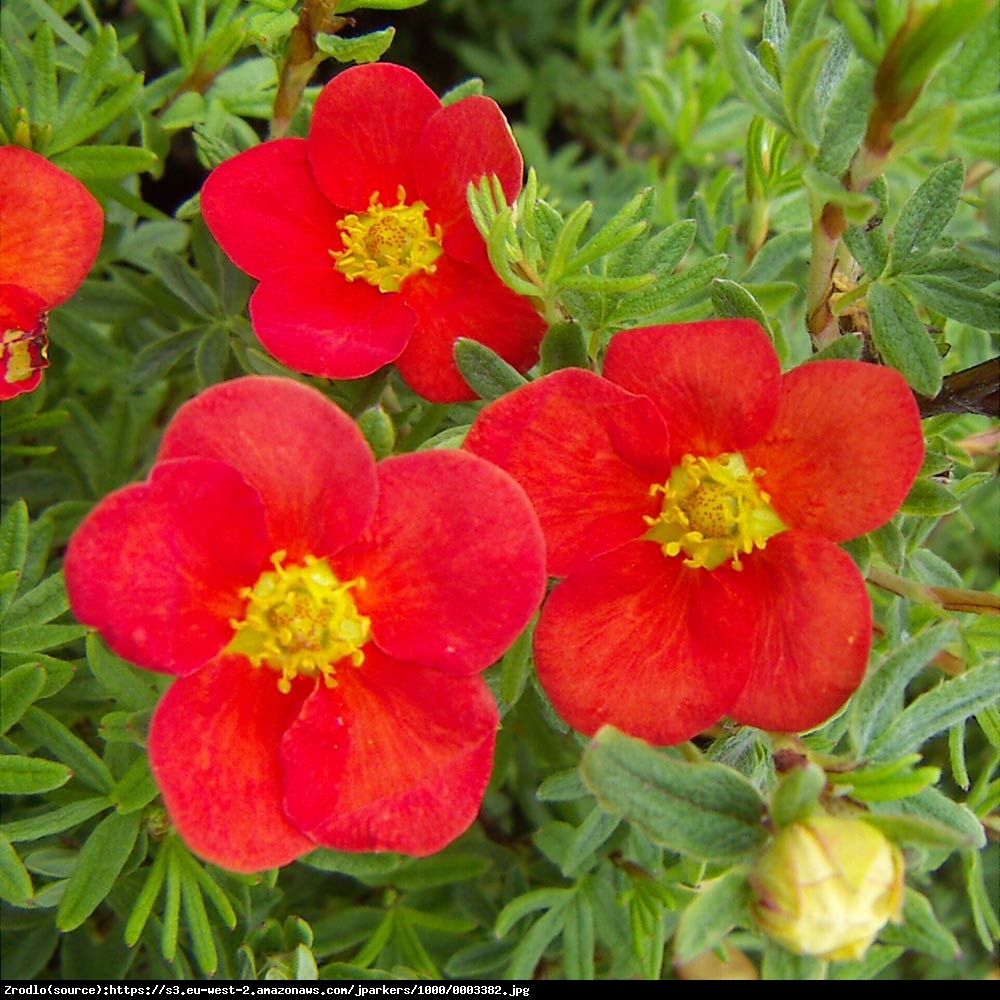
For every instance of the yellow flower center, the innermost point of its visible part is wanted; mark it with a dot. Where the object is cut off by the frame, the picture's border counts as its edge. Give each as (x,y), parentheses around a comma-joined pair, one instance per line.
(301,621)
(386,244)
(23,352)
(713,511)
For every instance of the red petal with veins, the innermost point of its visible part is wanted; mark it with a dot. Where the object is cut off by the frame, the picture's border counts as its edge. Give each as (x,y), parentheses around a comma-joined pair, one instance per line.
(812,632)
(214,752)
(315,321)
(461,144)
(366,124)
(266,211)
(586,453)
(453,561)
(844,449)
(641,642)
(461,300)
(305,458)
(716,383)
(157,567)
(396,757)
(52,226)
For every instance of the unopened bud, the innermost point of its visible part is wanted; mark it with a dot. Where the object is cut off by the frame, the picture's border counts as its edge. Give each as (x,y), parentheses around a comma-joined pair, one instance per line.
(826,886)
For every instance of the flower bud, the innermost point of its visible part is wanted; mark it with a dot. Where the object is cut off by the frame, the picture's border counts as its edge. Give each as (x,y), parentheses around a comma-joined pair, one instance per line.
(826,886)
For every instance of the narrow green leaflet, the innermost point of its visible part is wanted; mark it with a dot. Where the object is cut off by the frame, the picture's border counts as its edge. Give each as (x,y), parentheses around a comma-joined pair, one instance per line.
(925,214)
(707,811)
(101,860)
(361,49)
(718,907)
(19,688)
(921,930)
(902,340)
(485,371)
(20,775)
(50,733)
(949,703)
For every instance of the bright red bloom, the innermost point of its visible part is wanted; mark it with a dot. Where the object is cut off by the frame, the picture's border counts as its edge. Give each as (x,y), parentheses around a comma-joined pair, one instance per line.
(362,239)
(50,233)
(326,619)
(692,498)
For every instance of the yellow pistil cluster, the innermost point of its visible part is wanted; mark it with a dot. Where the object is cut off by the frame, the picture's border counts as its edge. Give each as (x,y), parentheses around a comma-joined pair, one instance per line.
(713,511)
(301,621)
(386,244)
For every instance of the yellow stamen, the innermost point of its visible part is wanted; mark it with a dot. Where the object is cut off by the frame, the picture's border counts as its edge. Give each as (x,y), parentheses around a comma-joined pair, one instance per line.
(713,510)
(386,244)
(301,621)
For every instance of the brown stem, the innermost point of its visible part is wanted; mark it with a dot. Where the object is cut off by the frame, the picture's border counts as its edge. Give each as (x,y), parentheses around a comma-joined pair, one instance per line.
(972,390)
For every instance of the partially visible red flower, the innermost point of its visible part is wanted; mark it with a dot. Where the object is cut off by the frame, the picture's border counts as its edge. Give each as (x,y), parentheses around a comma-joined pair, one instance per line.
(326,619)
(693,499)
(50,233)
(362,239)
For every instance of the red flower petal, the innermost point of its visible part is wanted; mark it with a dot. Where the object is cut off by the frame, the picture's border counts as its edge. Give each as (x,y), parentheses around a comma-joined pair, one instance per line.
(812,634)
(638,641)
(157,567)
(315,321)
(266,212)
(214,752)
(716,383)
(52,226)
(586,452)
(23,328)
(305,458)
(395,758)
(460,300)
(844,449)
(365,127)
(461,144)
(453,561)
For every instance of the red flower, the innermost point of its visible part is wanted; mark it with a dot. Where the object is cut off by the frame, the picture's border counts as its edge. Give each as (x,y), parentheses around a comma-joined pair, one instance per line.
(362,238)
(52,228)
(693,498)
(326,619)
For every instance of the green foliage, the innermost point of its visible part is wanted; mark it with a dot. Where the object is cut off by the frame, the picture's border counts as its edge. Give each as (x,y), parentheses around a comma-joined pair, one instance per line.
(826,168)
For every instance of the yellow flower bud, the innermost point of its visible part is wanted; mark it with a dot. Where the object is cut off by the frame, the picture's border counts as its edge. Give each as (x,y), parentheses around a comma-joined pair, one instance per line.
(826,886)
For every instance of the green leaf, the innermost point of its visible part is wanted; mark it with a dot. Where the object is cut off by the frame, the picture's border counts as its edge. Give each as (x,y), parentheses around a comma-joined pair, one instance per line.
(15,882)
(799,86)
(845,119)
(136,788)
(197,922)
(922,931)
(52,821)
(489,376)
(733,301)
(39,605)
(20,687)
(131,687)
(530,902)
(94,162)
(360,49)
(531,947)
(515,667)
(621,229)
(38,638)
(348,5)
(929,498)
(706,810)
(880,697)
(89,124)
(953,299)
(952,701)
(828,190)
(144,902)
(719,906)
(592,833)
(47,731)
(921,831)
(13,547)
(757,87)
(101,860)
(669,290)
(902,339)
(21,775)
(578,939)
(925,214)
